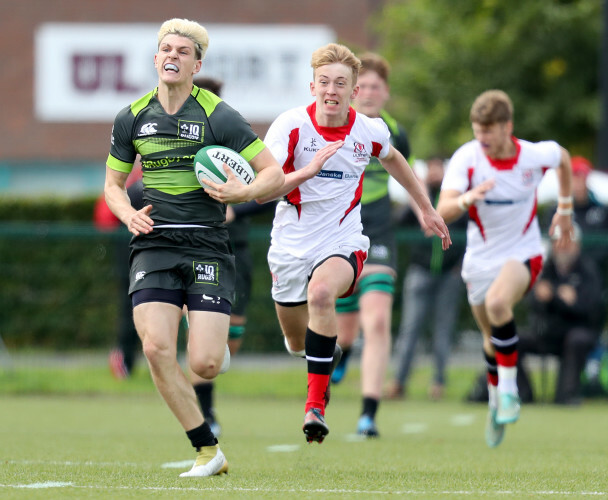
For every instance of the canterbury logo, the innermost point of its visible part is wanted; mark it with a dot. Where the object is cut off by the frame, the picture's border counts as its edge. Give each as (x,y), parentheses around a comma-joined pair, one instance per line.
(148,129)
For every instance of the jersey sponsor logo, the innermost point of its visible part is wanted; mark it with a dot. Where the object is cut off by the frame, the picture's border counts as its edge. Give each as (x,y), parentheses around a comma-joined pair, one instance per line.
(194,131)
(147,129)
(165,162)
(206,272)
(331,174)
(140,275)
(312,147)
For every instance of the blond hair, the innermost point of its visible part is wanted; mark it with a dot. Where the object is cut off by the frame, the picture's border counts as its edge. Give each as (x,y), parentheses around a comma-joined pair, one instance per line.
(188,29)
(335,53)
(492,106)
(376,63)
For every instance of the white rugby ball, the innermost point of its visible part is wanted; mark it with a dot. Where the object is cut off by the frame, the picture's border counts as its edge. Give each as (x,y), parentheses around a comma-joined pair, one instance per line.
(209,164)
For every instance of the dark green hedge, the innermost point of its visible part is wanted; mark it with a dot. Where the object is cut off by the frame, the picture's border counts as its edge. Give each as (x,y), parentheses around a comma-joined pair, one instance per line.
(59,279)
(60,287)
(47,209)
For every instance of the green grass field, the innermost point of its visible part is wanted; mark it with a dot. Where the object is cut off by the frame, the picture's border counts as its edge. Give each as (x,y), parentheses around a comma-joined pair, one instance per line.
(77,433)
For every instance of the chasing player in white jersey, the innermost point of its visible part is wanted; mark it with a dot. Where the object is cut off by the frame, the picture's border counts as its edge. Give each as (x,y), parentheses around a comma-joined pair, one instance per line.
(494,178)
(318,248)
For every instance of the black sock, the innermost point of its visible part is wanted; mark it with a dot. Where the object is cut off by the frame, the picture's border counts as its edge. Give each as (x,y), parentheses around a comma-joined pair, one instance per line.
(204,393)
(201,436)
(370,407)
(504,339)
(319,346)
(491,366)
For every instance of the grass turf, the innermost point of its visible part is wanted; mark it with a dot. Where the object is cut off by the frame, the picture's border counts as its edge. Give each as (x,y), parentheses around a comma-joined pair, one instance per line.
(88,436)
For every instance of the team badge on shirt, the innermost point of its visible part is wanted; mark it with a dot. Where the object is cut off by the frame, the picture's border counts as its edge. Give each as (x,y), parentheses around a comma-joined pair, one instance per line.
(527,177)
(359,152)
(193,131)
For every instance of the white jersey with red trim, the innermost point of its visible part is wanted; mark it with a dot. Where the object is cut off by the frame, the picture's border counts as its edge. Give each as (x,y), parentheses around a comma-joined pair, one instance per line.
(504,226)
(325,209)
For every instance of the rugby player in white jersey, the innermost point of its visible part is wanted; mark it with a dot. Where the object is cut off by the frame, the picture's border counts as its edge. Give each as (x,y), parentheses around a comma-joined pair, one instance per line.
(494,177)
(318,248)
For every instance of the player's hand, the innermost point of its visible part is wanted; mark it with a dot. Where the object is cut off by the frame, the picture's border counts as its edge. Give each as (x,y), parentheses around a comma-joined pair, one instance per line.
(232,191)
(140,222)
(321,156)
(433,222)
(563,225)
(478,193)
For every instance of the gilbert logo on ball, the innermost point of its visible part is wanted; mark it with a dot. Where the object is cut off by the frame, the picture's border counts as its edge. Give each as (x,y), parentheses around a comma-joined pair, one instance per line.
(209,164)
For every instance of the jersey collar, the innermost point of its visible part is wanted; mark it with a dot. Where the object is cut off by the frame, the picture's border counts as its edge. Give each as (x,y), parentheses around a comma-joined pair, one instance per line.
(506,163)
(332,134)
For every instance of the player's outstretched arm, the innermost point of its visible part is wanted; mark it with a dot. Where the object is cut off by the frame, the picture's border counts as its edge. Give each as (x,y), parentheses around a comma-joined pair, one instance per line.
(297,177)
(452,203)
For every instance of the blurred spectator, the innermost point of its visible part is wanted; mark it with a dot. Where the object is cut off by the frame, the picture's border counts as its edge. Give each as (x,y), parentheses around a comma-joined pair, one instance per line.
(122,356)
(589,213)
(564,304)
(432,293)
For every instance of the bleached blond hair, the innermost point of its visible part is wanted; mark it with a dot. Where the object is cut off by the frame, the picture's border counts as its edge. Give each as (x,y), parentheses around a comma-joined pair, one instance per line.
(188,29)
(335,53)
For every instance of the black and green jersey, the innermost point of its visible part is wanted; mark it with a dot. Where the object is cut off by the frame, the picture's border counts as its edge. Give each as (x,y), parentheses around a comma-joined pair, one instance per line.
(375,182)
(167,145)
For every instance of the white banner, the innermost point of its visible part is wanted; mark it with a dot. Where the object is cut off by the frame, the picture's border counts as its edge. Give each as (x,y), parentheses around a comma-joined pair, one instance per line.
(88,72)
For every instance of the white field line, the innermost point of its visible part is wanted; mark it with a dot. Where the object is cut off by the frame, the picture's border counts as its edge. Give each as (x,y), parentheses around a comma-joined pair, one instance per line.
(202,487)
(199,487)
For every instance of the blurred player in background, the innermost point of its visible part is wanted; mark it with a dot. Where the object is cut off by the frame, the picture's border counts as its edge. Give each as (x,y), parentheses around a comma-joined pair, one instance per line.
(318,248)
(181,227)
(369,308)
(494,177)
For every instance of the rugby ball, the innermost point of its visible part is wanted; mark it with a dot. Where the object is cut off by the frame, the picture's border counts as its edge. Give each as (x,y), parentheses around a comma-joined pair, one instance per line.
(209,165)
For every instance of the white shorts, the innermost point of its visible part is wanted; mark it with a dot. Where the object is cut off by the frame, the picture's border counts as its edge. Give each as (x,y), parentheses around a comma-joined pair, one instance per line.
(479,284)
(290,274)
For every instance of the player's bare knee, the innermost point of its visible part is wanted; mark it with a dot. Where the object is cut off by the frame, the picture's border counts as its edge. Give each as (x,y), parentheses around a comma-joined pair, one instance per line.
(320,297)
(155,353)
(204,366)
(498,309)
(380,326)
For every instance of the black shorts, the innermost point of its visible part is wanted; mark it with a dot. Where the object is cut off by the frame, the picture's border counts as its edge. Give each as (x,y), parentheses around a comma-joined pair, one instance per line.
(197,261)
